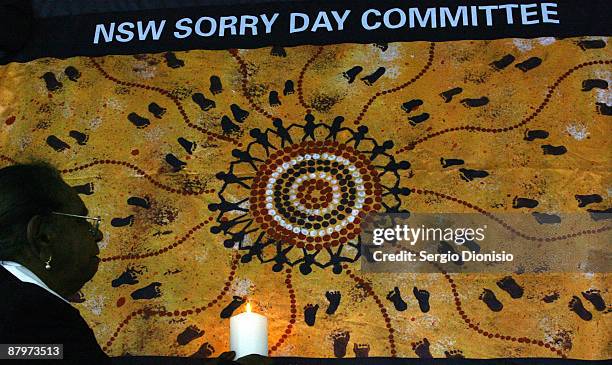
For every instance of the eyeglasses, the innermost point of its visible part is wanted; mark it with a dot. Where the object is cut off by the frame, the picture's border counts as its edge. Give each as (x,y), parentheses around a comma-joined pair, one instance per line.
(94,227)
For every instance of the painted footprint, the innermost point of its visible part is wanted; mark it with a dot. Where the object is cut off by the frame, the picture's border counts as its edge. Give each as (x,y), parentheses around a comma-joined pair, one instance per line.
(576,306)
(411,105)
(509,285)
(529,64)
(215,85)
(594,296)
(518,203)
(475,103)
(57,144)
(177,165)
(310,314)
(352,73)
(418,119)
(139,202)
(128,277)
(232,306)
(454,354)
(289,88)
(123,222)
(545,218)
(204,103)
(448,162)
(239,114)
(334,301)
(395,297)
(503,62)
(374,76)
(535,134)
(148,292)
(189,146)
(138,121)
(584,200)
(421,348)
(278,51)
(188,335)
(591,44)
(590,84)
(156,110)
(172,61)
(469,174)
(361,349)
(72,73)
(273,99)
(603,108)
(489,298)
(422,296)
(51,81)
(553,150)
(341,340)
(449,94)
(84,189)
(204,352)
(80,138)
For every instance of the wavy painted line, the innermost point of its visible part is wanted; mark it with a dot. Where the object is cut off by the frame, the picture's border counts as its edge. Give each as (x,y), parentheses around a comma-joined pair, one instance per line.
(292,320)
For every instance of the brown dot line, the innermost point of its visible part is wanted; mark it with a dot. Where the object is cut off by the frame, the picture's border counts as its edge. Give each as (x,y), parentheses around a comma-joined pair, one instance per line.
(471,128)
(211,135)
(244,84)
(369,291)
(424,70)
(176,313)
(300,82)
(140,171)
(180,241)
(292,320)
(506,225)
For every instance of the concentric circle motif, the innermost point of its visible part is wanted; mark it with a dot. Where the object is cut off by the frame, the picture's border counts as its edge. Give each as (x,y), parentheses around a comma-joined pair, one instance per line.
(296,195)
(315,192)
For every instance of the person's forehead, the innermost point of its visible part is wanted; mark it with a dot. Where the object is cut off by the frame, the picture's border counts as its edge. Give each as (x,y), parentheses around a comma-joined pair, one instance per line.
(71,200)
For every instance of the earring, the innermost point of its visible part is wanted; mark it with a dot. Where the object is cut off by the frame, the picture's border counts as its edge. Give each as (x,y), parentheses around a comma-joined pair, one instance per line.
(48,264)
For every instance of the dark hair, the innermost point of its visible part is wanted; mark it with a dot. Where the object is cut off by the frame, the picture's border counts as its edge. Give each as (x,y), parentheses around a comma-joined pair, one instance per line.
(25,191)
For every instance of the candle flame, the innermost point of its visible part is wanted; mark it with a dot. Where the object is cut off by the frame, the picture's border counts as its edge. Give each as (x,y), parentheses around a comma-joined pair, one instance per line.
(248,307)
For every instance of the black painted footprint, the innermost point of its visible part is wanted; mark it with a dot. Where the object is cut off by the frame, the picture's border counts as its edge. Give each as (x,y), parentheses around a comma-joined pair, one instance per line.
(239,114)
(122,222)
(204,352)
(590,84)
(469,174)
(189,146)
(361,349)
(475,103)
(289,88)
(139,202)
(228,126)
(591,44)
(395,297)
(535,134)
(310,314)
(273,99)
(417,119)
(333,297)
(411,105)
(215,85)
(382,46)
(584,200)
(524,203)
(509,285)
(421,348)
(575,305)
(374,76)
(594,296)
(80,138)
(473,246)
(454,354)
(489,298)
(529,64)
(172,61)
(603,108)
(422,296)
(84,189)
(148,292)
(138,121)
(128,277)
(448,162)
(352,73)
(57,144)
(188,335)
(173,161)
(600,214)
(278,51)
(545,218)
(503,62)
(157,110)
(449,94)
(204,103)
(232,306)
(445,247)
(51,82)
(553,150)
(340,341)
(72,73)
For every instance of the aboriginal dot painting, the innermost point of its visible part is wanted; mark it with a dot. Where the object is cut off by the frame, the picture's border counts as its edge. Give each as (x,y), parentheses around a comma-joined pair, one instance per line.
(233,175)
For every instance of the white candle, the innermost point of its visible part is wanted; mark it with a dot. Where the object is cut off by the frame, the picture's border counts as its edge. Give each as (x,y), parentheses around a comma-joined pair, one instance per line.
(249,333)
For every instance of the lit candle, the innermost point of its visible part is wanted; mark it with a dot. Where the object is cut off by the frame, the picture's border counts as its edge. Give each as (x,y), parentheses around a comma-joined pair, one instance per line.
(249,333)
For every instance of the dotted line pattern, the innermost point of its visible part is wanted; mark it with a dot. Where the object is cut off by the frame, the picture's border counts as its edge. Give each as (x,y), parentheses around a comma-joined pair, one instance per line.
(245,75)
(506,225)
(8,159)
(292,320)
(471,128)
(425,68)
(369,291)
(211,135)
(300,82)
(163,313)
(140,172)
(161,250)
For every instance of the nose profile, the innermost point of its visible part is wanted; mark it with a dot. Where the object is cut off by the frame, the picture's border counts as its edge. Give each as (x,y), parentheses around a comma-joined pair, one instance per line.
(99,235)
